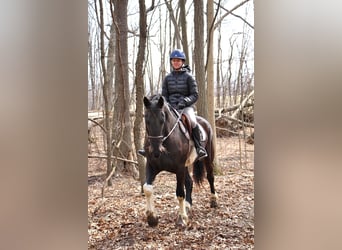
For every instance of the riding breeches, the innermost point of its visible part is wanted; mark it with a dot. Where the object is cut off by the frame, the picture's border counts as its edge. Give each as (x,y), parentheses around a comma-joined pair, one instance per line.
(190,113)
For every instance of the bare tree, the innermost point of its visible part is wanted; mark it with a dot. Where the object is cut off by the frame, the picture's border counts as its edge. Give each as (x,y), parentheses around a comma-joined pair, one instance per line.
(162,50)
(184,28)
(210,59)
(166,30)
(177,36)
(199,57)
(107,69)
(210,73)
(91,69)
(139,83)
(230,73)
(231,13)
(122,138)
(218,69)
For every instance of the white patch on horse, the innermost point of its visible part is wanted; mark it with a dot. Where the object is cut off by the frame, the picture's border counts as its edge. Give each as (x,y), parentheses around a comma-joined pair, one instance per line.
(148,190)
(192,156)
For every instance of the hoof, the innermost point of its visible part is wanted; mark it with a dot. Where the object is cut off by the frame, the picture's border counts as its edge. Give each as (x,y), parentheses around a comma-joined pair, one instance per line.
(152,220)
(189,212)
(213,204)
(181,222)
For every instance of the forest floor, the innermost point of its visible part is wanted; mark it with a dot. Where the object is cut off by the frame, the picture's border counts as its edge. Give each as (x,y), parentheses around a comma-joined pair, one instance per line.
(120,222)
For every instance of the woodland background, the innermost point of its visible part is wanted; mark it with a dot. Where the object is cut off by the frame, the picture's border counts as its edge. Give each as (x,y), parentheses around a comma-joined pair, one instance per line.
(129,43)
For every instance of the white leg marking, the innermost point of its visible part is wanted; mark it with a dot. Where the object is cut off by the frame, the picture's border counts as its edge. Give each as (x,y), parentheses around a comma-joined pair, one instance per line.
(148,190)
(191,158)
(182,210)
(214,196)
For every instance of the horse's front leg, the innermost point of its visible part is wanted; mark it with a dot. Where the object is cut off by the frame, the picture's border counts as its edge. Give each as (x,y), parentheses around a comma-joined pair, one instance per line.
(152,218)
(182,216)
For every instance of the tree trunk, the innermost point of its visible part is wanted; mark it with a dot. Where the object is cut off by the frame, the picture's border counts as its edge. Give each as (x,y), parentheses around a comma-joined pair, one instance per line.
(139,83)
(122,137)
(230,63)
(162,50)
(177,36)
(91,71)
(199,57)
(218,64)
(184,29)
(210,74)
(107,85)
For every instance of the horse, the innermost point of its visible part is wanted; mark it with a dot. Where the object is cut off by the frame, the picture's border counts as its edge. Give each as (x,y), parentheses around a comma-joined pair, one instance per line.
(169,148)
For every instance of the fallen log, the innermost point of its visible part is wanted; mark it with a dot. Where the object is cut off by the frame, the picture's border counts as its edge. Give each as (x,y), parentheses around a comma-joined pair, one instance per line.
(242,104)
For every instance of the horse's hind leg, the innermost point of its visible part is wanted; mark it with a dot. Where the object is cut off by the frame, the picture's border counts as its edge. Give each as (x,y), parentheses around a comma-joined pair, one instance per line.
(210,177)
(188,191)
(182,216)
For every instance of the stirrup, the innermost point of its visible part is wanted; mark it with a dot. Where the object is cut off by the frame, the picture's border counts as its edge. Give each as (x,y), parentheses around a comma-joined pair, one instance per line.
(142,152)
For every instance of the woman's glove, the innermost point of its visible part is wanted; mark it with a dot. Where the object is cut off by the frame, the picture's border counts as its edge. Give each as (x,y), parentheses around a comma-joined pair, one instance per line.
(181,105)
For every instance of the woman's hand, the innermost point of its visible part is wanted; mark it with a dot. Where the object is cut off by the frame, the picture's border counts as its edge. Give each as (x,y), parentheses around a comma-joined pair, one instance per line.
(181,105)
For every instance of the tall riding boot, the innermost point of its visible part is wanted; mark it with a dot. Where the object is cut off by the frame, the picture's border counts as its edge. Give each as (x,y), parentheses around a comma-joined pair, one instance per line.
(197,140)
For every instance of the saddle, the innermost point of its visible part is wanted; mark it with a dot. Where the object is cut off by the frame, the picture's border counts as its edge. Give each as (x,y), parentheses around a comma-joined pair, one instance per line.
(185,126)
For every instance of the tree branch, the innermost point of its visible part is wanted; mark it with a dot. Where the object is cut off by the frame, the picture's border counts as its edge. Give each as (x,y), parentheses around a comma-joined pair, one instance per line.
(231,12)
(98,124)
(244,20)
(113,158)
(151,7)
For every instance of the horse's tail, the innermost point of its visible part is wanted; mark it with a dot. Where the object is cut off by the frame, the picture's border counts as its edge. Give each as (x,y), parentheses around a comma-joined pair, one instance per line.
(198,172)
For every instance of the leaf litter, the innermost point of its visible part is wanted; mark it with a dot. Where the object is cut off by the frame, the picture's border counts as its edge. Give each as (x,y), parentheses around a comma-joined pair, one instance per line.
(119,221)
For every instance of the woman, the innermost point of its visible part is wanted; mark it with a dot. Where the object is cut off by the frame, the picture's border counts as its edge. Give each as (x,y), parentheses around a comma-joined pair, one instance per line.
(180,90)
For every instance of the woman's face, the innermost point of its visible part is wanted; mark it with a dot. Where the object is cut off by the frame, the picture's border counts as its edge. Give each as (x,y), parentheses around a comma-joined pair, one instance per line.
(176,63)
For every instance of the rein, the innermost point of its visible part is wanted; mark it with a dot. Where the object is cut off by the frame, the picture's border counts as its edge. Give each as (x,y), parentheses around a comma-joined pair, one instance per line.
(173,128)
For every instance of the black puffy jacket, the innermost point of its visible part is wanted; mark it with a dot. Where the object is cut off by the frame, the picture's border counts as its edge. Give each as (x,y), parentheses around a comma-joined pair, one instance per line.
(180,86)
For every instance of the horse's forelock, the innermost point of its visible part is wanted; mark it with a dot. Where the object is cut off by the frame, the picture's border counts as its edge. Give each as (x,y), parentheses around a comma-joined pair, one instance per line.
(154,99)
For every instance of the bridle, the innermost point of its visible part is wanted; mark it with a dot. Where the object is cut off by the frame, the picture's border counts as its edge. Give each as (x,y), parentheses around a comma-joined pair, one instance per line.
(163,138)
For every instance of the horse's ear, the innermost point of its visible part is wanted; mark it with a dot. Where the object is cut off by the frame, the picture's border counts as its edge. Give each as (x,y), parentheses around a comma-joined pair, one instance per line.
(147,102)
(161,102)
